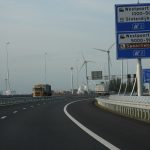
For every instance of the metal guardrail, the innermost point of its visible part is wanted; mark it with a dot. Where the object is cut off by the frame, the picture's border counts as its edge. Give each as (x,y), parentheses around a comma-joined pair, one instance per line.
(134,99)
(130,106)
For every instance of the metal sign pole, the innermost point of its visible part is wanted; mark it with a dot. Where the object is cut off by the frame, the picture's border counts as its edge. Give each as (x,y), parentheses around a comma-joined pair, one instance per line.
(126,80)
(139,77)
(108,70)
(121,77)
(149,89)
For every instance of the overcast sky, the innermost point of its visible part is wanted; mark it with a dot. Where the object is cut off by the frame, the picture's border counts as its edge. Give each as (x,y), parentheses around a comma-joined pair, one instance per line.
(65,29)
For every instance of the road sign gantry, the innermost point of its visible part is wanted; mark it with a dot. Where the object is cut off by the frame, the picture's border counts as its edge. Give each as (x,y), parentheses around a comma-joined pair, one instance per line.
(133,31)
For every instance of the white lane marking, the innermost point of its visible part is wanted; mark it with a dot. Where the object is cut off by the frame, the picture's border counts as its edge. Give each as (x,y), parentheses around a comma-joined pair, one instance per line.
(3,117)
(31,106)
(88,131)
(14,112)
(24,108)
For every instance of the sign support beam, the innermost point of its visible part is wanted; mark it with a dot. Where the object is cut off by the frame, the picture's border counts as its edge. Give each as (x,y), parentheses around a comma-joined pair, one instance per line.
(139,77)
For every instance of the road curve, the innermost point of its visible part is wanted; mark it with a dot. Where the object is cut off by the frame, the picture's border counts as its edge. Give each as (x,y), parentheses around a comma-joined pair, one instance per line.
(45,126)
(124,133)
(42,126)
(88,131)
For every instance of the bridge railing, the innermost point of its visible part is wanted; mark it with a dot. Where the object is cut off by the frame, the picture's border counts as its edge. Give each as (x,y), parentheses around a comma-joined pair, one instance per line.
(130,106)
(137,99)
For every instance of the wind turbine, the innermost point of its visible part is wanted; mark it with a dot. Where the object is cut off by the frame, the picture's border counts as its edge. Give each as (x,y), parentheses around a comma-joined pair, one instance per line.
(108,53)
(85,62)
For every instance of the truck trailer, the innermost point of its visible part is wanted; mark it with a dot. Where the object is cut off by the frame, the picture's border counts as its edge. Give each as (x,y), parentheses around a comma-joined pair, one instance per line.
(101,89)
(41,90)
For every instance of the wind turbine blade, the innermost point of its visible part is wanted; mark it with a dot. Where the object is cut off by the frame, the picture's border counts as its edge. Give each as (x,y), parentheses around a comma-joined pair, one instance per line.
(83,56)
(111,46)
(90,61)
(100,49)
(82,65)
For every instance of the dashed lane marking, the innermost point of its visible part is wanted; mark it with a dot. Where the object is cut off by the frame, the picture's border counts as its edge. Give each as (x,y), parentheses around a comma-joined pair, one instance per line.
(14,112)
(3,117)
(24,108)
(88,131)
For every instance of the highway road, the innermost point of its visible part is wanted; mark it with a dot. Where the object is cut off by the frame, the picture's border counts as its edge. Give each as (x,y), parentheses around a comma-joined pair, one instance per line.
(63,124)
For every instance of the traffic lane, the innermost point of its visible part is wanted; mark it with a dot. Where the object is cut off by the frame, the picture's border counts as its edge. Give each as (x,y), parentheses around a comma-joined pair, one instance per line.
(44,128)
(125,133)
(8,110)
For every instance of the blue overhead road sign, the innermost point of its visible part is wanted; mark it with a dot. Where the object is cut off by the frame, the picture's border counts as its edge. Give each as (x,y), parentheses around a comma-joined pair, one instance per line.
(146,75)
(133,30)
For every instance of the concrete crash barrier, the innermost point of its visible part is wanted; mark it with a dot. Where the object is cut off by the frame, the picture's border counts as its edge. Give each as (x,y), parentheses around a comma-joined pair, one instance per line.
(133,109)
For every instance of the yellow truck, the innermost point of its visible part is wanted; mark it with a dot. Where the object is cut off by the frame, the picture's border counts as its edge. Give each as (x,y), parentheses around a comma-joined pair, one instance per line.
(41,90)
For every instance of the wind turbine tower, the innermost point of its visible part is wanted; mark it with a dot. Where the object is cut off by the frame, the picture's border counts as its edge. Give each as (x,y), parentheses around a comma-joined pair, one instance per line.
(85,62)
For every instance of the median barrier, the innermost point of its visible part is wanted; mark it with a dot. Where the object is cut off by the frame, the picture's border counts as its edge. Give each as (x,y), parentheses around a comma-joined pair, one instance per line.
(18,100)
(129,106)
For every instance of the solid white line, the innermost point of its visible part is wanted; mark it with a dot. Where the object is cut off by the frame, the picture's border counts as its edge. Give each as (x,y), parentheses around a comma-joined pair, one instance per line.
(88,131)
(3,117)
(14,112)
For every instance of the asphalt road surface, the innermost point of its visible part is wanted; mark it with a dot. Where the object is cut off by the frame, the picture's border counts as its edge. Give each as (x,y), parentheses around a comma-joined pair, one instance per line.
(45,126)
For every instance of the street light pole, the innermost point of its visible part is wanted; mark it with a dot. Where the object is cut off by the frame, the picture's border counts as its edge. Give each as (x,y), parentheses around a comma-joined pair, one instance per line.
(87,82)
(8,81)
(77,77)
(6,84)
(72,91)
(45,68)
